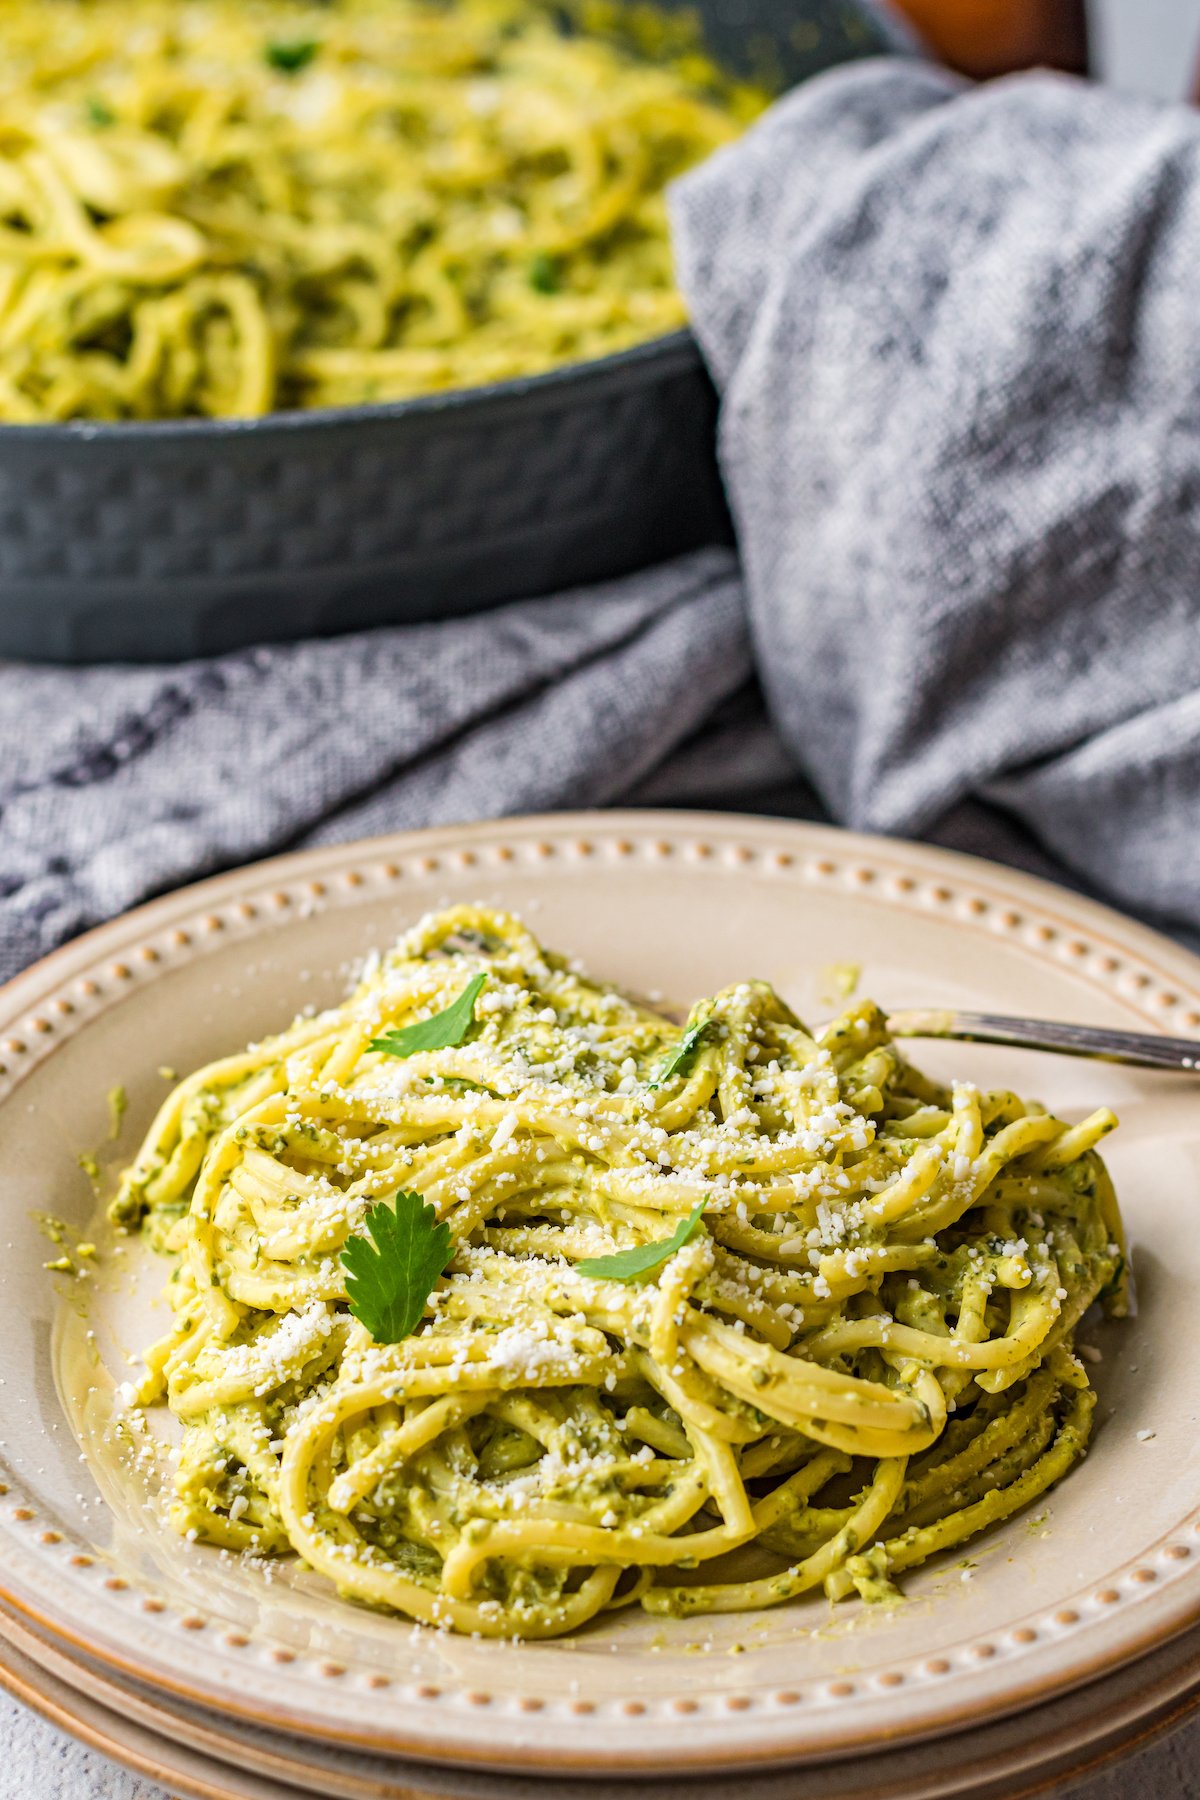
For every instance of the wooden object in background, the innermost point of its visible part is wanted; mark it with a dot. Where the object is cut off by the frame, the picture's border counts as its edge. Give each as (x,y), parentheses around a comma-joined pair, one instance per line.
(983,38)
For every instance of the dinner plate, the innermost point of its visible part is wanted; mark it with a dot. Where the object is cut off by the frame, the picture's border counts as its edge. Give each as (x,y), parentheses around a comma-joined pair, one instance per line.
(1104,1570)
(1078,1734)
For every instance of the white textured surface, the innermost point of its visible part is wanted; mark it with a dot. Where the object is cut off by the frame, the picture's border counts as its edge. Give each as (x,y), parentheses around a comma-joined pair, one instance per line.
(39,1763)
(1147,46)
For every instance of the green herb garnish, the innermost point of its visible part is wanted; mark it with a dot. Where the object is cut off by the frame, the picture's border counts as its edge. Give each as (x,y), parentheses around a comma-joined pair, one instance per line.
(290,57)
(443,1031)
(545,273)
(388,1285)
(98,112)
(627,1265)
(684,1050)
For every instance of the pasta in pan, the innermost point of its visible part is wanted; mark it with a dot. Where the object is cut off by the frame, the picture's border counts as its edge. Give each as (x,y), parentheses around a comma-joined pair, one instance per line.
(502,1300)
(217,209)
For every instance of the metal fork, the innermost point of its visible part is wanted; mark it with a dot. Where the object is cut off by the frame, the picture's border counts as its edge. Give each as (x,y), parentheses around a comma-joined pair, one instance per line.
(1140,1049)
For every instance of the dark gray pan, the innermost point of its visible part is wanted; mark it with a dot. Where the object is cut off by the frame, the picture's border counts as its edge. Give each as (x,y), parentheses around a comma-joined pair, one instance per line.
(157,542)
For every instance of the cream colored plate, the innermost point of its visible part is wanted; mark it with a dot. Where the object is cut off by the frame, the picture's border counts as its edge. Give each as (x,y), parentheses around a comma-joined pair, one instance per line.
(1109,1567)
(1015,1757)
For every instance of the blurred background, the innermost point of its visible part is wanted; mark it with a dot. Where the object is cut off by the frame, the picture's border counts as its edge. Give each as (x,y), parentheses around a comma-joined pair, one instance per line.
(1147,45)
(1144,46)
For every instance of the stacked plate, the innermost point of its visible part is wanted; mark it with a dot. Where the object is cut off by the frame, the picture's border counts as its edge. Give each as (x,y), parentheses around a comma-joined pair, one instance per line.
(1064,1638)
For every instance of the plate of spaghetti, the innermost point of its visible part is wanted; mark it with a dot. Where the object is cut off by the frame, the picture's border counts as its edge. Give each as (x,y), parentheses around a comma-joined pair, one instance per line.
(523,1286)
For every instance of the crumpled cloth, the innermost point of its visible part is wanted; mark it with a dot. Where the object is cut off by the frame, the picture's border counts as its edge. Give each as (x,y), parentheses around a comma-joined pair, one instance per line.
(957,342)
(116,783)
(956,339)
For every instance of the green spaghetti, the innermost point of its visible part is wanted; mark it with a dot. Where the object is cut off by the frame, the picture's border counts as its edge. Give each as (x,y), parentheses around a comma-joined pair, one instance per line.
(502,1300)
(211,208)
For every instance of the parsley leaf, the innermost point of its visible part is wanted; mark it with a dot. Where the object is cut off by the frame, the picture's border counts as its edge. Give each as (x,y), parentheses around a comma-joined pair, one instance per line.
(98,112)
(290,57)
(388,1285)
(684,1050)
(627,1265)
(442,1032)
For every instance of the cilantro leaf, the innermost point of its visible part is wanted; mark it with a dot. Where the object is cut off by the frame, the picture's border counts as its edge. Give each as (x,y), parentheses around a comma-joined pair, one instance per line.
(289,57)
(388,1285)
(627,1265)
(684,1050)
(442,1032)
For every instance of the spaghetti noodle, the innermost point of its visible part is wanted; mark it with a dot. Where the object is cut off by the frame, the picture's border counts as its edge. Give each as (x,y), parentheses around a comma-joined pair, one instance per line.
(854,1349)
(215,208)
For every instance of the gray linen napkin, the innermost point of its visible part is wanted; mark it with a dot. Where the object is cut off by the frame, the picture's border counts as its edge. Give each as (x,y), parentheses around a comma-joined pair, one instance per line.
(958,344)
(118,782)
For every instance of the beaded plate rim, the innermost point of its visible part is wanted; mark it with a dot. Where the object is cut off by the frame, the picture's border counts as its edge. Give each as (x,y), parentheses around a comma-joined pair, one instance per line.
(1146,1706)
(1155,1597)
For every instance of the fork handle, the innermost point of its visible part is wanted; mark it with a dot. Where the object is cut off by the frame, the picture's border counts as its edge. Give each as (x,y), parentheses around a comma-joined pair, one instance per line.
(1140,1049)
